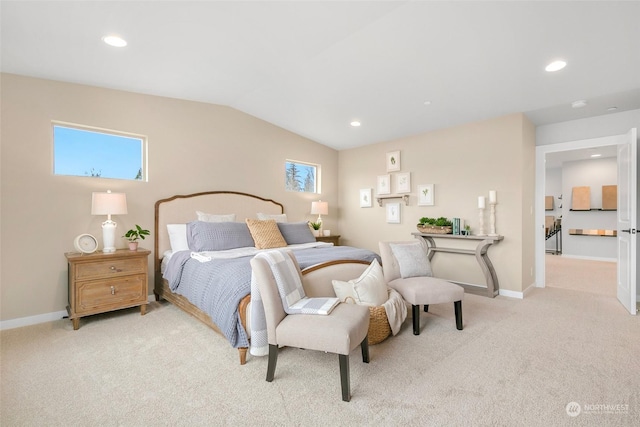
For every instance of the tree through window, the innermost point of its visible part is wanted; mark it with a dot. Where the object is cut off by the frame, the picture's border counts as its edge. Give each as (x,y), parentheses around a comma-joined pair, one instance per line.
(301,177)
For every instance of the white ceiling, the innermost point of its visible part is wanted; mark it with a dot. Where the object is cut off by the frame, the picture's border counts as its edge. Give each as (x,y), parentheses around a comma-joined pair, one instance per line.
(313,67)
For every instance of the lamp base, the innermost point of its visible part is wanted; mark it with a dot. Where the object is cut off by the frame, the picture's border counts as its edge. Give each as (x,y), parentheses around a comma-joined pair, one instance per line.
(109,236)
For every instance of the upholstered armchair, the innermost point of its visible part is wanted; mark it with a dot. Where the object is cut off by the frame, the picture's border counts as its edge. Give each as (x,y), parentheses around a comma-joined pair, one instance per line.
(407,270)
(340,331)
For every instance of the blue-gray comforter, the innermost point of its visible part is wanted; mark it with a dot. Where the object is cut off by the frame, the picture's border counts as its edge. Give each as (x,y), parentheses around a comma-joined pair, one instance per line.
(217,286)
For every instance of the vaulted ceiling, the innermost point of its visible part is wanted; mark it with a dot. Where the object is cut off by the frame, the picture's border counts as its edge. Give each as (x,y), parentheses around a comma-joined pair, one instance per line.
(312,67)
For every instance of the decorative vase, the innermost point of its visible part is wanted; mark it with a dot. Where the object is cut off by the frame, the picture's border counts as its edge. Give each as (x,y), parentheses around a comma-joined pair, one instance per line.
(133,246)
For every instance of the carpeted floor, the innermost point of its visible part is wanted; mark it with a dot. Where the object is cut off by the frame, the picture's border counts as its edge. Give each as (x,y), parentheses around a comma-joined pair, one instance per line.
(598,277)
(517,362)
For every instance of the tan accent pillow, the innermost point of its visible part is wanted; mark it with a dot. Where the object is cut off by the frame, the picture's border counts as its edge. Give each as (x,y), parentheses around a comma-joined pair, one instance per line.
(265,233)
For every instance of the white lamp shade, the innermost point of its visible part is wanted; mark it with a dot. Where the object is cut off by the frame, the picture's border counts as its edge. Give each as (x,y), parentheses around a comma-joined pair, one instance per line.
(319,208)
(108,203)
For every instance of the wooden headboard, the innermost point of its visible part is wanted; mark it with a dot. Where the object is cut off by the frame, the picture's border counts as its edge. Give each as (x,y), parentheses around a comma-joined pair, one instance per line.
(181,209)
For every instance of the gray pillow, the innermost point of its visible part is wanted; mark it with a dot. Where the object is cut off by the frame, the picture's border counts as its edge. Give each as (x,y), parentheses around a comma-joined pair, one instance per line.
(218,236)
(412,259)
(296,232)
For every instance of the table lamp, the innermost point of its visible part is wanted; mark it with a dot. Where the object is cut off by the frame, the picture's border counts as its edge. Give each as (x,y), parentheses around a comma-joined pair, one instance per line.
(320,208)
(108,204)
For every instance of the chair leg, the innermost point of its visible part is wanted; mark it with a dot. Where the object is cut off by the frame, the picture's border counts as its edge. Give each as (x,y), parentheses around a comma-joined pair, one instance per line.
(364,346)
(415,311)
(344,377)
(458,309)
(426,308)
(273,359)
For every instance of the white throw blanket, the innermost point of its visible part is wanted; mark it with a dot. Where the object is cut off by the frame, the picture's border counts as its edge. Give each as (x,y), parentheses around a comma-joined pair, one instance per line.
(396,310)
(294,300)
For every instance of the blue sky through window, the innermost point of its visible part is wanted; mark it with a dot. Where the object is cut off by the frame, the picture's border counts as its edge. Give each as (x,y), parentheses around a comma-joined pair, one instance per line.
(82,152)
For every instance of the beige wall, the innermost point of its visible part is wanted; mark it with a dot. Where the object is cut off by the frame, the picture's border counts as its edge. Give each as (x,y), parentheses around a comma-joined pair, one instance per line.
(192,147)
(463,162)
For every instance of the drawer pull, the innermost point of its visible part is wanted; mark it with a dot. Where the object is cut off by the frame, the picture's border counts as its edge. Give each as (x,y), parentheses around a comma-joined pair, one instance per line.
(113,290)
(112,268)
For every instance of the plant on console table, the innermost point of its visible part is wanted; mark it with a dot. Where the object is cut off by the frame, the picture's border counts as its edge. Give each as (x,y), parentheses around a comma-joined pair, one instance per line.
(434,225)
(133,235)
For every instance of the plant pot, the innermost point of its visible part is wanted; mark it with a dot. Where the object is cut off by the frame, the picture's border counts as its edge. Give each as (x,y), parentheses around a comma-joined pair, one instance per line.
(316,233)
(133,246)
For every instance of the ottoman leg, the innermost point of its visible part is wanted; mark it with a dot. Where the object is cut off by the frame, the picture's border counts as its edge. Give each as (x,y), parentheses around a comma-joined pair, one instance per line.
(415,310)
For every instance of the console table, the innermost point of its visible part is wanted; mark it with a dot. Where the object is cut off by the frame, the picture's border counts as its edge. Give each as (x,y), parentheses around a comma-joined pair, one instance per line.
(484,242)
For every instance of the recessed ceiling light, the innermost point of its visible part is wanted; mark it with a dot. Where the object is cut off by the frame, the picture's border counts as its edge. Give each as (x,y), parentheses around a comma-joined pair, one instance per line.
(596,155)
(579,104)
(427,102)
(114,41)
(555,66)
(355,123)
(612,108)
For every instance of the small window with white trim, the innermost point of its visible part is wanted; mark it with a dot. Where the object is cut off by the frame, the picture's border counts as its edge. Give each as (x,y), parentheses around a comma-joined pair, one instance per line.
(302,177)
(92,152)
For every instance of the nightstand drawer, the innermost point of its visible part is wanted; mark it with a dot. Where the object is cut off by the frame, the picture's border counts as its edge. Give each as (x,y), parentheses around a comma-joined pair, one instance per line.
(110,268)
(104,295)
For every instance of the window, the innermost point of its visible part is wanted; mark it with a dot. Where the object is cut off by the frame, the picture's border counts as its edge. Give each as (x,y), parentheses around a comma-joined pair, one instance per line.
(83,151)
(301,177)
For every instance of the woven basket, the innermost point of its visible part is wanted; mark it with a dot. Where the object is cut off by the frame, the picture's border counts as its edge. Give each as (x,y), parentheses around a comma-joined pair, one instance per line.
(379,328)
(435,229)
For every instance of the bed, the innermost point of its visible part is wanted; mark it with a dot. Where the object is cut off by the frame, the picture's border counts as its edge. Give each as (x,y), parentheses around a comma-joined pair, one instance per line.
(229,302)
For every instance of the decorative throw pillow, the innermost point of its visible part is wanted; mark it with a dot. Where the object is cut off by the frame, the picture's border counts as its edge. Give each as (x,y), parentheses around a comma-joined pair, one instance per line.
(296,232)
(178,237)
(368,289)
(278,217)
(265,233)
(412,259)
(207,217)
(218,236)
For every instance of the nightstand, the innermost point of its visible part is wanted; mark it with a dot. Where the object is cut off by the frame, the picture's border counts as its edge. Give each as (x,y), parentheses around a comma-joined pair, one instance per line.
(102,282)
(334,238)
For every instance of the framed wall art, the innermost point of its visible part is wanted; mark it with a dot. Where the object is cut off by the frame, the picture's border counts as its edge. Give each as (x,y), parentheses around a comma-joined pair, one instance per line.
(393,213)
(393,161)
(365,198)
(403,182)
(426,197)
(384,184)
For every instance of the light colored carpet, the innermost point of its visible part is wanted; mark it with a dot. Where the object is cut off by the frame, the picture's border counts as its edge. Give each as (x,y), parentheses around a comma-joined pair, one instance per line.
(517,362)
(598,277)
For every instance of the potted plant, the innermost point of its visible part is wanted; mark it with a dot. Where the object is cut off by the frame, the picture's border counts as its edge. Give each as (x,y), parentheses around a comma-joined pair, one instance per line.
(315,227)
(467,230)
(133,235)
(434,225)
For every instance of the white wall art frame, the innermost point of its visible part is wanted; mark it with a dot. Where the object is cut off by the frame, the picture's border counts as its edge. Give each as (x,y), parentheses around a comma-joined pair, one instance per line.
(403,182)
(393,161)
(393,213)
(366,198)
(384,184)
(426,195)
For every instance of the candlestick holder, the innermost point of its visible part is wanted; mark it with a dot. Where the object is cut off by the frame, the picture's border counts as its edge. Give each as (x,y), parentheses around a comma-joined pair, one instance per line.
(492,220)
(480,222)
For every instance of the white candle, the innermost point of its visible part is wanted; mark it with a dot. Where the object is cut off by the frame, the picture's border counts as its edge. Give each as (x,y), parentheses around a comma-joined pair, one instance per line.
(481,202)
(492,196)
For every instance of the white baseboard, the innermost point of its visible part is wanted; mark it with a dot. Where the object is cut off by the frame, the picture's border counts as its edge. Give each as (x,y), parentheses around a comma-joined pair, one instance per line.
(32,320)
(511,294)
(41,318)
(589,258)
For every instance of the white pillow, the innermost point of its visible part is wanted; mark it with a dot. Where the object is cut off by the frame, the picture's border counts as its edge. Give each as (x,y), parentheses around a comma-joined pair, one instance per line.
(178,237)
(368,289)
(412,259)
(207,217)
(278,217)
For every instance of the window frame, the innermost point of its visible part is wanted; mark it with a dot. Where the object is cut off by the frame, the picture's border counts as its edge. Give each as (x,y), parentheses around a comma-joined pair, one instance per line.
(75,126)
(318,176)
